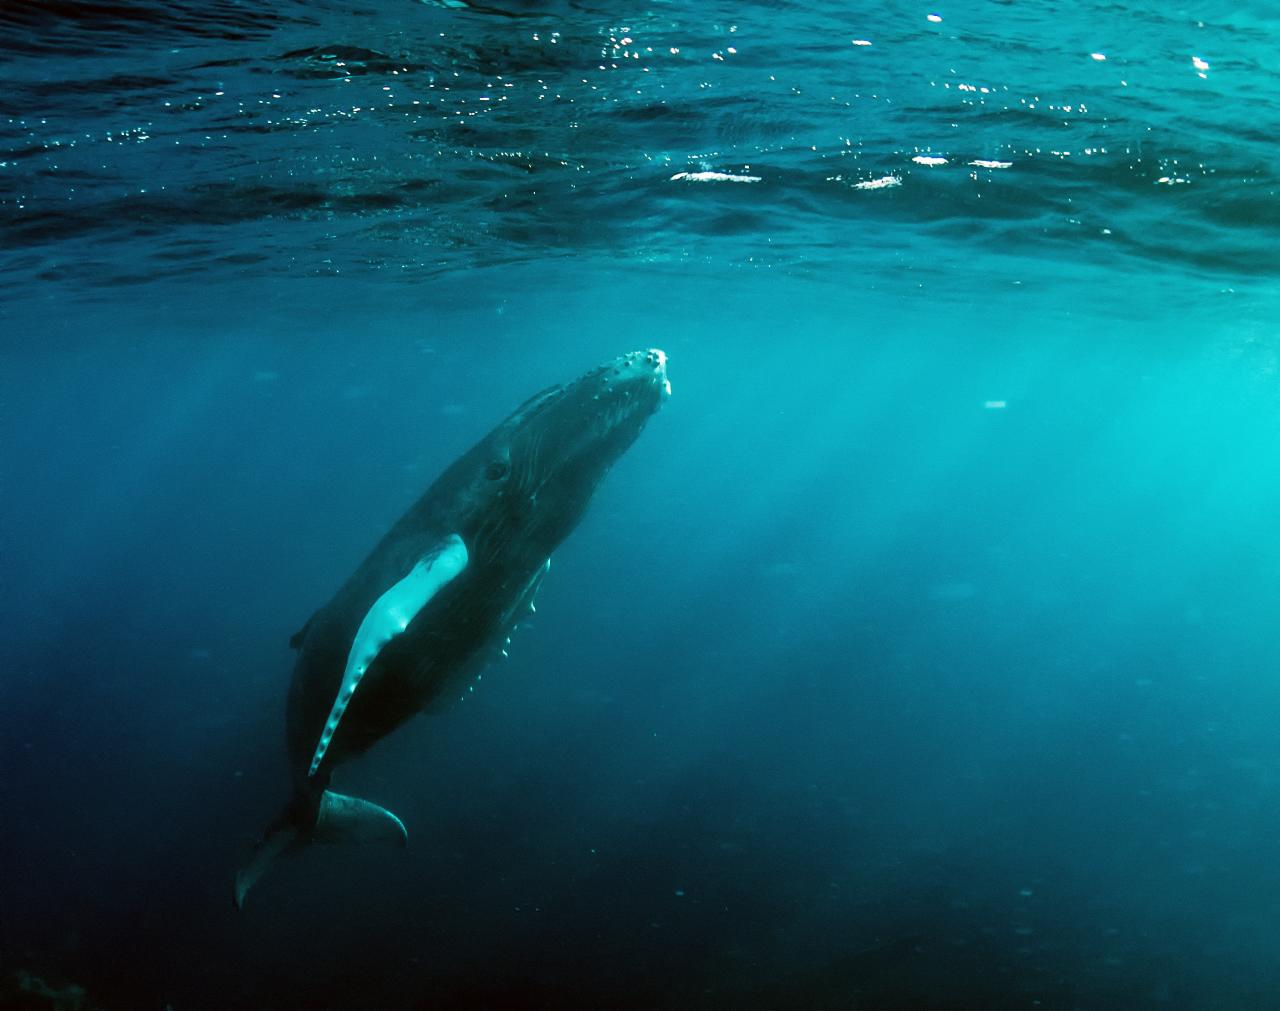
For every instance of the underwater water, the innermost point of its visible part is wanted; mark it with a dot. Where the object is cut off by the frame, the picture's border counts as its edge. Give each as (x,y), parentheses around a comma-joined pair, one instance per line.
(921,653)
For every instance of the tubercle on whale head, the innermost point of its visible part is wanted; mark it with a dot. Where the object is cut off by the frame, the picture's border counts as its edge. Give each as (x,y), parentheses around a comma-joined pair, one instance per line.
(639,369)
(567,423)
(536,472)
(621,395)
(600,414)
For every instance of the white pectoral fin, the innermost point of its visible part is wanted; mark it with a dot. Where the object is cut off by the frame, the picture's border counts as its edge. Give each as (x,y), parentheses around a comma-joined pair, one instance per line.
(389,616)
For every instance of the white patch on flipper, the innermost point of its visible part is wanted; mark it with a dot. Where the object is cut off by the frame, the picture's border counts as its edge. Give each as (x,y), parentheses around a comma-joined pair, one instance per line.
(388,617)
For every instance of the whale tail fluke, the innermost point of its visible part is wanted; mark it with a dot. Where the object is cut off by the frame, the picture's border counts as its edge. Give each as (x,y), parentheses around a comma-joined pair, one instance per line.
(280,839)
(337,819)
(343,819)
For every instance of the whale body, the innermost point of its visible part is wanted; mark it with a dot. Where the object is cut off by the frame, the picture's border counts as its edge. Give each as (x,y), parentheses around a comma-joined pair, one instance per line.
(440,594)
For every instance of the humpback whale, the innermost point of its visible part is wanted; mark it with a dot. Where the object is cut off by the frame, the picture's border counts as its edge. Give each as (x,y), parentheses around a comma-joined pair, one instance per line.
(443,590)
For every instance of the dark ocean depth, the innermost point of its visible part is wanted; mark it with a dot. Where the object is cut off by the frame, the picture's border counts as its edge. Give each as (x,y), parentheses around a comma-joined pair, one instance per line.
(923,651)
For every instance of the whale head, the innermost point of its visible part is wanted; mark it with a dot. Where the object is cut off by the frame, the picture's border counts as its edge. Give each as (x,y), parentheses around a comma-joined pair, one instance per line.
(531,478)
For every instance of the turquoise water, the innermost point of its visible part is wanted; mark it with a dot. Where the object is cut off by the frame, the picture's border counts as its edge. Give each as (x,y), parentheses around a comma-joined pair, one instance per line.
(920,654)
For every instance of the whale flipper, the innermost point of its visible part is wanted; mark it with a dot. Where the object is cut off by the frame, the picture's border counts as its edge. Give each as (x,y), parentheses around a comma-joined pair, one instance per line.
(389,617)
(338,819)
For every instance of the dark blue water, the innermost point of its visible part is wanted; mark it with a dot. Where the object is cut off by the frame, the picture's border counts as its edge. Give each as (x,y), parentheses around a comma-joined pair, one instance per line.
(922,652)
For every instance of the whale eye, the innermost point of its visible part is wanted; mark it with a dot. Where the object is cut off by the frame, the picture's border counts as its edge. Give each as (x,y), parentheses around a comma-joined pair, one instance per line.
(497,470)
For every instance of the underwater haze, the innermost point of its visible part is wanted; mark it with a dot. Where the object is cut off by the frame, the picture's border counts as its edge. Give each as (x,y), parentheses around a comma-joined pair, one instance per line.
(921,653)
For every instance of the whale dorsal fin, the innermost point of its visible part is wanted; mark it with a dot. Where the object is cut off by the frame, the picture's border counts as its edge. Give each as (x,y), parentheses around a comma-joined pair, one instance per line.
(389,616)
(295,640)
